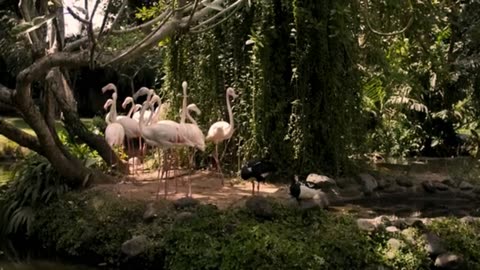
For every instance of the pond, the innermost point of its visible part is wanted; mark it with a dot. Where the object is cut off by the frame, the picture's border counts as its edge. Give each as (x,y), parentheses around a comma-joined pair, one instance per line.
(40,265)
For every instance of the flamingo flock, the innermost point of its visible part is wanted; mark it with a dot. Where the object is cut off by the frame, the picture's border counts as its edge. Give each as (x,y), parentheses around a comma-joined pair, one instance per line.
(144,122)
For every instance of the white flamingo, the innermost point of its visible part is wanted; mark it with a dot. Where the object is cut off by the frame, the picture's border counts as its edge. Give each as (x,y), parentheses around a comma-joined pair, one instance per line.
(222,130)
(114,132)
(194,134)
(162,135)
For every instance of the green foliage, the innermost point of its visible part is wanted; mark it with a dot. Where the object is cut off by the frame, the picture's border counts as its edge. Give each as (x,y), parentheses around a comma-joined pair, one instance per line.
(34,182)
(87,224)
(93,225)
(294,106)
(462,238)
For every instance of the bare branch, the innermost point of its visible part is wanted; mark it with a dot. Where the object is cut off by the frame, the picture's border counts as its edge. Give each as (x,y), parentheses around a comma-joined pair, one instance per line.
(168,29)
(143,41)
(91,34)
(197,30)
(105,18)
(6,95)
(17,135)
(77,17)
(409,23)
(192,12)
(235,6)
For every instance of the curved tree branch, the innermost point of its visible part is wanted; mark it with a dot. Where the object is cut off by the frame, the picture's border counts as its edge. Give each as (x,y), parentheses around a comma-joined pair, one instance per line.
(409,23)
(17,135)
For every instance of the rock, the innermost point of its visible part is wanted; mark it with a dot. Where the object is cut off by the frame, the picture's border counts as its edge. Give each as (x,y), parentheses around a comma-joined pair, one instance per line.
(415,223)
(394,189)
(369,182)
(465,186)
(393,247)
(186,202)
(184,216)
(410,235)
(343,182)
(404,181)
(440,186)
(468,219)
(385,182)
(366,225)
(150,213)
(428,186)
(449,182)
(434,245)
(392,229)
(321,181)
(259,206)
(400,223)
(309,204)
(449,260)
(135,246)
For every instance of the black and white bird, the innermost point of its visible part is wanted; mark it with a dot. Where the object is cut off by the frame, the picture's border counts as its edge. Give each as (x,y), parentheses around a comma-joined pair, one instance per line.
(303,190)
(258,169)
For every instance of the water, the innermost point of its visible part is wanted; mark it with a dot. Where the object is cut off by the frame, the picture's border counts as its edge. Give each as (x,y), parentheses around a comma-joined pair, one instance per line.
(40,265)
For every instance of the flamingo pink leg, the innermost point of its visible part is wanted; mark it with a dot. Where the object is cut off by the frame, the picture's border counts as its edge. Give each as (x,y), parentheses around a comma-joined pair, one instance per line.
(219,168)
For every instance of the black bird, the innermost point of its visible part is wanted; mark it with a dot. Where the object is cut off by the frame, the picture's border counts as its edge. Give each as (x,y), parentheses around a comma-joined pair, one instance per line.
(258,169)
(304,190)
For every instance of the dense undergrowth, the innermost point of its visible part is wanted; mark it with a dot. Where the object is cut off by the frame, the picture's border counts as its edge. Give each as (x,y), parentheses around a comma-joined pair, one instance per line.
(93,226)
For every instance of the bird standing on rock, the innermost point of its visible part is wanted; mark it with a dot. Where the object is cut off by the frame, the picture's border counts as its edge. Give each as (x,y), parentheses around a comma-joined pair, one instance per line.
(258,169)
(306,191)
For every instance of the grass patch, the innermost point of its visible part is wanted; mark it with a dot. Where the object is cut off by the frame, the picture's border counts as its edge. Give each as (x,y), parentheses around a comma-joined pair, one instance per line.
(20,123)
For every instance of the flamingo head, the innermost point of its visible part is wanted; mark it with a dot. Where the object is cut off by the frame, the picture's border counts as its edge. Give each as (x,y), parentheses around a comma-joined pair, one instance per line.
(109,87)
(193,107)
(141,92)
(127,101)
(231,92)
(184,85)
(155,98)
(107,104)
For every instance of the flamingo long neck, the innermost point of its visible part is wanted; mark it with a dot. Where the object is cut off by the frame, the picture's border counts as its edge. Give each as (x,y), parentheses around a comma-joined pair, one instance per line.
(190,118)
(141,123)
(184,106)
(131,110)
(113,111)
(155,113)
(230,116)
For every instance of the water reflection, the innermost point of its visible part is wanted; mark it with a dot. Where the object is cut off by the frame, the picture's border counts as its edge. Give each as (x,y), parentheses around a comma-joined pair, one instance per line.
(40,265)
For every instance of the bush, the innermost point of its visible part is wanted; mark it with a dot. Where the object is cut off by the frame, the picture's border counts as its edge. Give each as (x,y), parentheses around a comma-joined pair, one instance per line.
(93,226)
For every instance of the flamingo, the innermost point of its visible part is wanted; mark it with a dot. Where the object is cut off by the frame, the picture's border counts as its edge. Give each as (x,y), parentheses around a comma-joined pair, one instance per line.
(130,125)
(114,132)
(194,134)
(222,130)
(162,135)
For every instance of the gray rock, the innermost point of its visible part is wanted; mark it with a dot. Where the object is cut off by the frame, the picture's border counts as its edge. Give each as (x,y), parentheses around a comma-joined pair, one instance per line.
(343,182)
(428,186)
(434,245)
(392,229)
(449,182)
(468,219)
(404,181)
(440,186)
(393,247)
(150,213)
(259,206)
(400,223)
(464,185)
(135,246)
(410,235)
(449,260)
(366,225)
(369,183)
(321,181)
(385,182)
(186,202)
(184,216)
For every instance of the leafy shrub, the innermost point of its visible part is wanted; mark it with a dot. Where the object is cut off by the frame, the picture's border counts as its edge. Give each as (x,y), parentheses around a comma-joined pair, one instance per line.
(461,238)
(34,182)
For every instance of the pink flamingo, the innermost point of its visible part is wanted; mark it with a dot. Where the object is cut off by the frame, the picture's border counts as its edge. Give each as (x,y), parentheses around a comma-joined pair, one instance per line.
(222,130)
(114,132)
